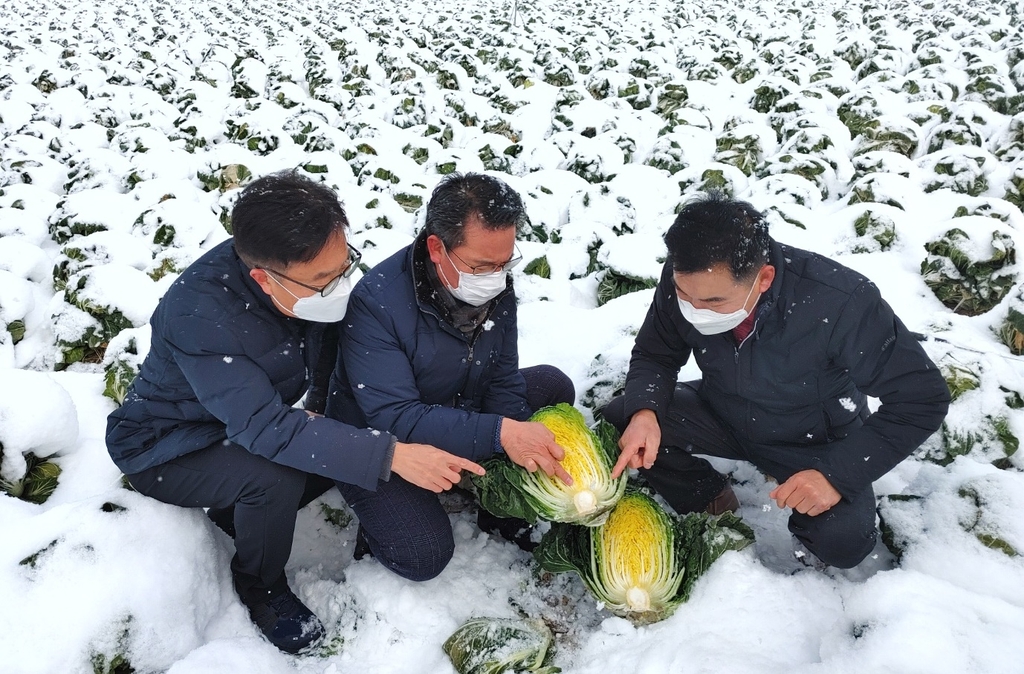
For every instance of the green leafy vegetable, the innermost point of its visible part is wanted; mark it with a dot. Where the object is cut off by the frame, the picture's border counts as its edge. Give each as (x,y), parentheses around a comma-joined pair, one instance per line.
(642,562)
(498,645)
(508,490)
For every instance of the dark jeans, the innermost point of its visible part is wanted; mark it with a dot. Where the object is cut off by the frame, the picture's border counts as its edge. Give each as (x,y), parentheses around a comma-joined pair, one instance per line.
(262,495)
(841,537)
(406,527)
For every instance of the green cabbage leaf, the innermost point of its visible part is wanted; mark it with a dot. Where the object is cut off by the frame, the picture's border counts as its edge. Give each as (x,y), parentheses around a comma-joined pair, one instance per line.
(642,562)
(508,490)
(500,645)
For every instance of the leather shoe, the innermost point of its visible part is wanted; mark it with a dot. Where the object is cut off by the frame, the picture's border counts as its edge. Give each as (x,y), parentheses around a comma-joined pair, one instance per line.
(725,502)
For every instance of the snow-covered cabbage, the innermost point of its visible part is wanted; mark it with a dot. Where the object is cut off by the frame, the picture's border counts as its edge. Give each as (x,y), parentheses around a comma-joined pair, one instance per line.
(498,645)
(642,562)
(508,490)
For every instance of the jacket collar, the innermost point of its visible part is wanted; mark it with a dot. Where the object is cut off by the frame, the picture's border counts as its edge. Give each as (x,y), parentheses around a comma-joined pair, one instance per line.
(429,296)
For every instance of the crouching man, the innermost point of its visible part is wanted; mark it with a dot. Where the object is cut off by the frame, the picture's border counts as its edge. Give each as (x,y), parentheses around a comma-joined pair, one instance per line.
(209,421)
(429,352)
(789,345)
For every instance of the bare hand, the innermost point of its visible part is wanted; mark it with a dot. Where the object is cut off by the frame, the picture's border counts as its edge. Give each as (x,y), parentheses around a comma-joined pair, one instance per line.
(808,492)
(532,445)
(429,467)
(639,442)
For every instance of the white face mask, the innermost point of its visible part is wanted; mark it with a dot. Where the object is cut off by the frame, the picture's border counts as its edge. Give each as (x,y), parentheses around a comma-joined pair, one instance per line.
(318,308)
(477,289)
(708,322)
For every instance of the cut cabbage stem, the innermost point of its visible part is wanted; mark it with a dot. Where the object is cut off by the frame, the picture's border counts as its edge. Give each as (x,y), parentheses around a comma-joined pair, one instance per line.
(638,599)
(585,502)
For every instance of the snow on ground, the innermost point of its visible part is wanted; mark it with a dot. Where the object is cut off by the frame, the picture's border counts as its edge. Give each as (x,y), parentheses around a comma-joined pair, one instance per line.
(867,130)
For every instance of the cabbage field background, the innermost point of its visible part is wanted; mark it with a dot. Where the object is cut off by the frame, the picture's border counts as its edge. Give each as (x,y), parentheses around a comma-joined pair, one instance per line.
(887,135)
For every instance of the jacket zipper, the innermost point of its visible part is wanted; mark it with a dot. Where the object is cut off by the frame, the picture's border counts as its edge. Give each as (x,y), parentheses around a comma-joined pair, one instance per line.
(736,362)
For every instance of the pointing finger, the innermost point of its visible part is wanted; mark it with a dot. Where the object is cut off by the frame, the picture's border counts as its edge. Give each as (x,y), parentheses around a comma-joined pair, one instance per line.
(556,450)
(466,464)
(563,474)
(620,465)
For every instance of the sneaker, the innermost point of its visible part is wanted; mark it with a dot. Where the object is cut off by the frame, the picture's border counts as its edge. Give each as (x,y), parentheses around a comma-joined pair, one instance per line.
(286,622)
(512,529)
(725,502)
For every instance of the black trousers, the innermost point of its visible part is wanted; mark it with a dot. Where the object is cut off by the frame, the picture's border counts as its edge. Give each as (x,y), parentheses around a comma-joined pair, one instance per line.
(256,499)
(249,496)
(841,537)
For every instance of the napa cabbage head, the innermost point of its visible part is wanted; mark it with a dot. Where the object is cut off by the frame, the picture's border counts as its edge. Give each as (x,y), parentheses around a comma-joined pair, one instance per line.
(498,645)
(642,562)
(508,490)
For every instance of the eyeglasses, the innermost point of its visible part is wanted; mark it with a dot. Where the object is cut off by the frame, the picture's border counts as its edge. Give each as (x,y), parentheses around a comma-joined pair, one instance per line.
(484,269)
(354,256)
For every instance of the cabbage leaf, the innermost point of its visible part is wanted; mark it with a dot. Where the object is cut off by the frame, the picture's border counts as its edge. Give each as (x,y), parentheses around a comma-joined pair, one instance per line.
(499,645)
(642,562)
(508,490)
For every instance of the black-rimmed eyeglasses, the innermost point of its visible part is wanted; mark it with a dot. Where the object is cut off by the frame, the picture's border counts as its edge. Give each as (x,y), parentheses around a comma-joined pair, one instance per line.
(354,256)
(484,269)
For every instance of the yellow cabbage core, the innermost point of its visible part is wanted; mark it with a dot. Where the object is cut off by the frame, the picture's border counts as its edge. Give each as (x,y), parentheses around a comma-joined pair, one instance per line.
(637,563)
(581,461)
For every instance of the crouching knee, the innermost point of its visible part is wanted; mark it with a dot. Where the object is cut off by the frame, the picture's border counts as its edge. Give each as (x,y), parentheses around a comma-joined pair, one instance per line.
(842,549)
(276,483)
(615,413)
(547,385)
(417,560)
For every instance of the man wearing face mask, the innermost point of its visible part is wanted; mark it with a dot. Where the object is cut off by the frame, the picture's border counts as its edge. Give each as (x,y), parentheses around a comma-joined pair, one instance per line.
(789,345)
(429,352)
(211,421)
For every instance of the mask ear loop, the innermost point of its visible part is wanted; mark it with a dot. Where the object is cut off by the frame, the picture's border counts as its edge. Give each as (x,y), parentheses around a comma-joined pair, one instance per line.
(757,280)
(442,274)
(297,298)
(277,301)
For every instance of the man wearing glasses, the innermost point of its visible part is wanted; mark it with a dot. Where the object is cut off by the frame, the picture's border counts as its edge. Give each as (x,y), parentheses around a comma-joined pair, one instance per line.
(429,353)
(211,421)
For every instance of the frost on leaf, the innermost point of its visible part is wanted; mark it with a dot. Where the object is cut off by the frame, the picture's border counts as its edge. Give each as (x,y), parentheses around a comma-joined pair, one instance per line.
(875,232)
(966,275)
(36,483)
(496,645)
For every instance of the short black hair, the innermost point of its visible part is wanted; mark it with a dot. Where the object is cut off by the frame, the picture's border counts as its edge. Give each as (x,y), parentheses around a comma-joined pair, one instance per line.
(283,218)
(714,230)
(458,197)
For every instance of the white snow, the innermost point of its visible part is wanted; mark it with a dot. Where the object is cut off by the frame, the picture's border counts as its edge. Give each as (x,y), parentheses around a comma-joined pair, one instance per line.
(117,121)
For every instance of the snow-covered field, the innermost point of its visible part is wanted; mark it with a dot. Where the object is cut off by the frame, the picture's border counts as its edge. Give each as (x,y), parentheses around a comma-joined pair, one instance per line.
(888,135)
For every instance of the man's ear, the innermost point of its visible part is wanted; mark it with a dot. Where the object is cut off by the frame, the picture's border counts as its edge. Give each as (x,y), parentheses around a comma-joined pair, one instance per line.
(766,277)
(435,248)
(262,278)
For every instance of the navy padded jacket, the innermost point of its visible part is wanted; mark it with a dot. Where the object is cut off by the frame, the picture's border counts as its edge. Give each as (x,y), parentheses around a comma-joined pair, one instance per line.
(405,370)
(823,340)
(226,364)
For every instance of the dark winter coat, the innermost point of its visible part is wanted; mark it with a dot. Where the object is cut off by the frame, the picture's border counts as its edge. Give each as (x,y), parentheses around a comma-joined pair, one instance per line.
(823,340)
(226,364)
(404,368)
